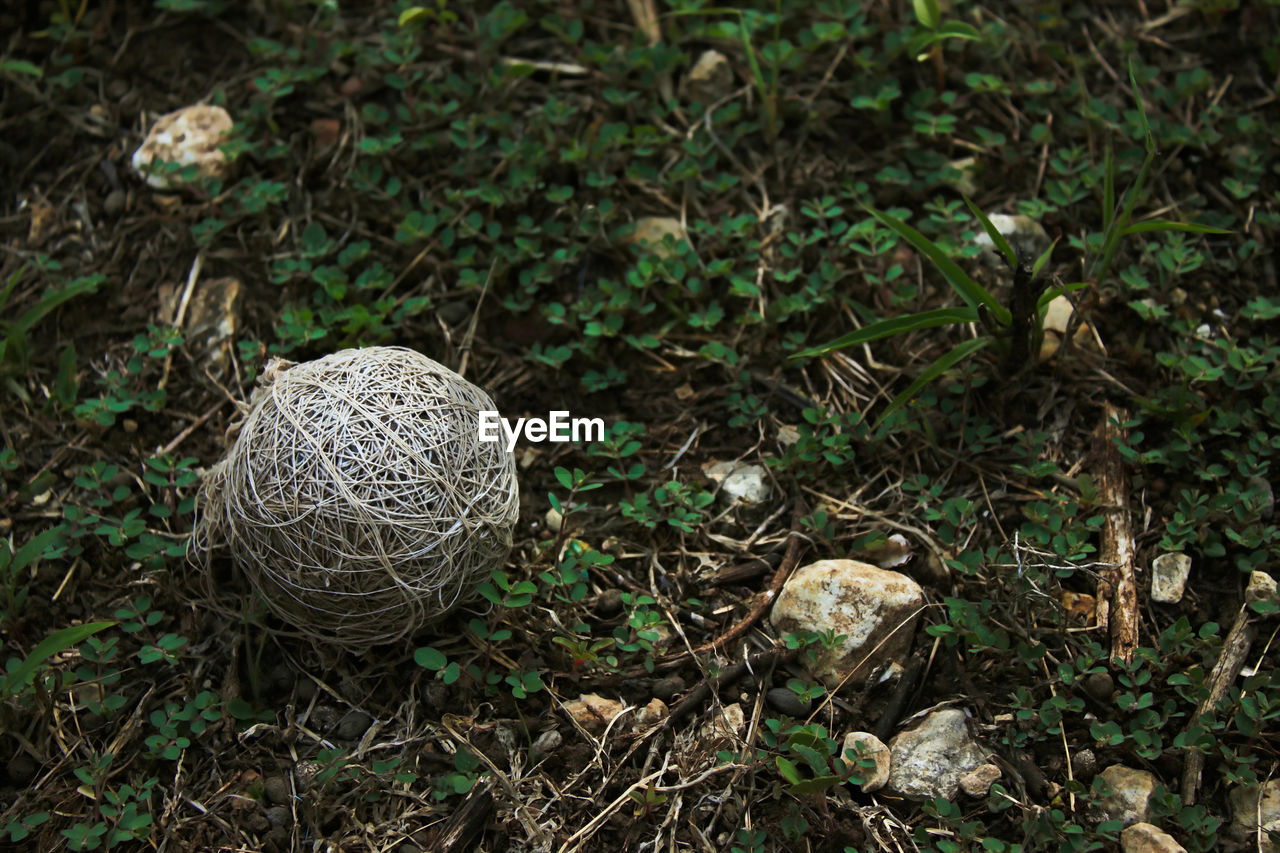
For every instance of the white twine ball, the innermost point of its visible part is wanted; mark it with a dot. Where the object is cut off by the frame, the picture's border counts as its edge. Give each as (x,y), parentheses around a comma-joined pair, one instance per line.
(358,498)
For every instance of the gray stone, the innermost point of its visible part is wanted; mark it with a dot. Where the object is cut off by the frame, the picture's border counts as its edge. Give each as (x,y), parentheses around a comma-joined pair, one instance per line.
(1100,685)
(1261,587)
(1253,807)
(930,759)
(1084,765)
(650,232)
(188,136)
(651,714)
(722,725)
(609,602)
(710,78)
(1022,232)
(785,701)
(594,712)
(276,789)
(873,778)
(748,484)
(545,744)
(1169,573)
(115,202)
(1145,838)
(353,725)
(1130,799)
(1057,319)
(668,688)
(979,780)
(454,313)
(554,519)
(279,816)
(1266,500)
(964,179)
(876,610)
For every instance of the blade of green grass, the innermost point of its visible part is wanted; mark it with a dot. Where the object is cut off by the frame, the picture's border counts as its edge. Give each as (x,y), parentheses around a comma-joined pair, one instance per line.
(994,233)
(1108,189)
(932,372)
(1054,292)
(894,326)
(22,675)
(1170,225)
(1043,259)
(970,291)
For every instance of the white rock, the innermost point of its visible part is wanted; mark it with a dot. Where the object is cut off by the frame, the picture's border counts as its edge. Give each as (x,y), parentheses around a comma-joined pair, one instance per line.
(709,79)
(1130,799)
(724,724)
(1262,587)
(979,780)
(188,136)
(872,607)
(554,519)
(1252,806)
(655,712)
(738,481)
(930,759)
(1145,838)
(1022,232)
(964,179)
(650,232)
(874,778)
(1057,318)
(211,320)
(1266,502)
(1169,574)
(593,712)
(747,484)
(547,743)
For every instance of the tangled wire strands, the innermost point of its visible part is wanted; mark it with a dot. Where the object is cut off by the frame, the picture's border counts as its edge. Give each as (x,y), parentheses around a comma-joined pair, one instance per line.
(358,498)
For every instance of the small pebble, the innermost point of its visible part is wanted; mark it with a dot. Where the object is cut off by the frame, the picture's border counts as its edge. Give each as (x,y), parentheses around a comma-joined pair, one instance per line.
(785,701)
(609,602)
(546,743)
(1100,686)
(279,816)
(554,519)
(324,719)
(668,688)
(115,202)
(454,313)
(1084,765)
(276,789)
(353,725)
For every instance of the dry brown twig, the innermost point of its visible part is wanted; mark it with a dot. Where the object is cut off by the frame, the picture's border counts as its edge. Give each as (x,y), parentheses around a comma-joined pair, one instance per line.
(1117,600)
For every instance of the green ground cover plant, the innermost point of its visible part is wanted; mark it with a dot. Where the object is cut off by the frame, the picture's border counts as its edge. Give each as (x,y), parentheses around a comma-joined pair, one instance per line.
(471,181)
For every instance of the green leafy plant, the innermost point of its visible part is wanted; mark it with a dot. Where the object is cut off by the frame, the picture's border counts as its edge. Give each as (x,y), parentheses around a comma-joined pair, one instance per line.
(1117,221)
(1017,326)
(927,43)
(21,673)
(14,348)
(15,565)
(766,87)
